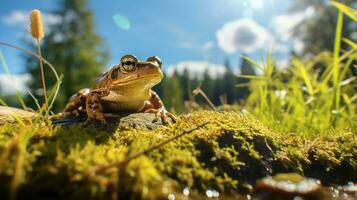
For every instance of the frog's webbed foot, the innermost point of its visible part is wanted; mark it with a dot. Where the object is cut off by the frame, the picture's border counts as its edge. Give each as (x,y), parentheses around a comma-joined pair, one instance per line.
(93,106)
(95,121)
(163,114)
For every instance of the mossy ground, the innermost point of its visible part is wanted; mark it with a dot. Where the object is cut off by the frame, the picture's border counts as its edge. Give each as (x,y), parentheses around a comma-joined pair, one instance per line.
(227,155)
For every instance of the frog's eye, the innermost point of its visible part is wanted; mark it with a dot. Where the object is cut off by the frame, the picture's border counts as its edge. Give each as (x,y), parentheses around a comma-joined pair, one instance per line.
(128,63)
(155,59)
(114,73)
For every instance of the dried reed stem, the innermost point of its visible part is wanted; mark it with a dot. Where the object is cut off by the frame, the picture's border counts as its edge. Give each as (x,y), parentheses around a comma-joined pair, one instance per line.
(198,91)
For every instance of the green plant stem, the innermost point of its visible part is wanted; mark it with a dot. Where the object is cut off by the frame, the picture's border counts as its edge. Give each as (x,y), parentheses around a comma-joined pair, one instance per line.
(336,62)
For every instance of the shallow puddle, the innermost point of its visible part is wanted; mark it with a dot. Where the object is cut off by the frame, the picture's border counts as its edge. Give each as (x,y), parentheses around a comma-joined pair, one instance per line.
(279,187)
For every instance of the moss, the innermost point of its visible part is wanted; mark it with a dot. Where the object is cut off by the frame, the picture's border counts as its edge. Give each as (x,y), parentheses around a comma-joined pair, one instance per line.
(229,152)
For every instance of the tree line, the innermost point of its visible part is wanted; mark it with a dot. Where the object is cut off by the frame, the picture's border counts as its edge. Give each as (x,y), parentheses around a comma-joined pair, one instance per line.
(227,88)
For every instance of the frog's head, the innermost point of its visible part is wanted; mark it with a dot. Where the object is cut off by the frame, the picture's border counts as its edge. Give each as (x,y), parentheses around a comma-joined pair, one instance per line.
(134,73)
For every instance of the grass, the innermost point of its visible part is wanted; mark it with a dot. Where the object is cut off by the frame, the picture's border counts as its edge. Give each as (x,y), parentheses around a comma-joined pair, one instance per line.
(301,101)
(233,150)
(45,109)
(312,95)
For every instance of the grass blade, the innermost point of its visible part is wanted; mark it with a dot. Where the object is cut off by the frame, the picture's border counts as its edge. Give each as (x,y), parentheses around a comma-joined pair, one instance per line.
(251,77)
(35,100)
(2,102)
(350,43)
(336,62)
(346,66)
(54,93)
(352,13)
(304,75)
(252,62)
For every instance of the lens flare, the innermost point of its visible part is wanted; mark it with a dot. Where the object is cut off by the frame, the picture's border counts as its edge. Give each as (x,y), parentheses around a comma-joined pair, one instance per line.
(121,21)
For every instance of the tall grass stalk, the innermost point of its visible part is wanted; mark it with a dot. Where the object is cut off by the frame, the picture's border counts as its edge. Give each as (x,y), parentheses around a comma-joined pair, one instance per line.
(37,32)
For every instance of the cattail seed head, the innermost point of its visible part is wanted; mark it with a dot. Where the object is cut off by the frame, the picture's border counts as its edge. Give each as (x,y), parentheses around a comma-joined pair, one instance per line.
(36,27)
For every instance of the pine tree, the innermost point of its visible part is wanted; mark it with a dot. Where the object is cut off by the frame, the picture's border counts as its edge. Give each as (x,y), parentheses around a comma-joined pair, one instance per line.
(208,84)
(172,95)
(230,80)
(75,50)
(185,83)
(246,68)
(218,90)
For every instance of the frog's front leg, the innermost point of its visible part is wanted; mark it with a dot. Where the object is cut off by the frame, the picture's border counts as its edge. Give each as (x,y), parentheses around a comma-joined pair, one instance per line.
(156,106)
(93,106)
(76,104)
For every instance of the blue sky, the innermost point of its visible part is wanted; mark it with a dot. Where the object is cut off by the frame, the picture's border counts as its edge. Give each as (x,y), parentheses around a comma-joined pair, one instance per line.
(199,32)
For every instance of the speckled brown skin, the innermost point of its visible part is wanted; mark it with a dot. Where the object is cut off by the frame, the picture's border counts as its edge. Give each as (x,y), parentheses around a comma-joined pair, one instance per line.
(124,88)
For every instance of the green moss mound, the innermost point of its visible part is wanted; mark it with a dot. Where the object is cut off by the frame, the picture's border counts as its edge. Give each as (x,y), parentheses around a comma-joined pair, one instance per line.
(229,154)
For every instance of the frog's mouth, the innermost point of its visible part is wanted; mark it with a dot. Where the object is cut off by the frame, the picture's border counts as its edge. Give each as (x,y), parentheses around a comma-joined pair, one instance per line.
(145,80)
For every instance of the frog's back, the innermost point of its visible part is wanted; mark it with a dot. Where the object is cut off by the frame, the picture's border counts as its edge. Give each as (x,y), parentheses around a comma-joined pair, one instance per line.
(100,81)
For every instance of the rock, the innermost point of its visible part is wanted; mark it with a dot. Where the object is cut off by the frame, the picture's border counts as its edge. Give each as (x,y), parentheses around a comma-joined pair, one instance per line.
(140,121)
(124,121)
(9,114)
(289,186)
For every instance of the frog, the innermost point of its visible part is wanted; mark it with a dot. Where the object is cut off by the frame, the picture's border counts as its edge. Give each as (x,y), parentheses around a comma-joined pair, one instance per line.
(126,87)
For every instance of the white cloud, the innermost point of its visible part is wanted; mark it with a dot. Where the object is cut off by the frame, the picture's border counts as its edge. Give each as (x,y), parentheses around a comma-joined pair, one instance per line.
(257,4)
(10,83)
(283,28)
(283,25)
(197,68)
(21,17)
(244,35)
(15,18)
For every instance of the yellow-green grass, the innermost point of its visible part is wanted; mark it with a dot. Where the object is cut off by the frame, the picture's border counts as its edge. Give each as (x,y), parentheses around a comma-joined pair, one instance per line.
(312,94)
(306,98)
